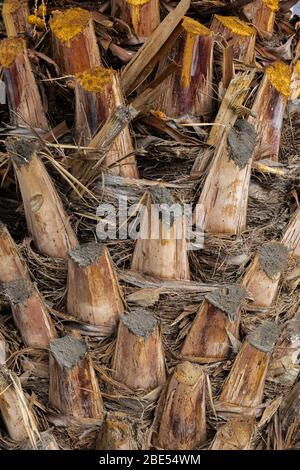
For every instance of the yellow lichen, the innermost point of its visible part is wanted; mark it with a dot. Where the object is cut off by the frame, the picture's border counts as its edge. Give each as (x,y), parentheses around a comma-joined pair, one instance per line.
(236,25)
(42,10)
(68,24)
(36,21)
(9,50)
(194,27)
(137,2)
(95,80)
(280,76)
(272,4)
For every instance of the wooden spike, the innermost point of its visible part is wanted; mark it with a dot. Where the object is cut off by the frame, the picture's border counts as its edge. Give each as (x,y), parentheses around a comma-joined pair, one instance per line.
(243,389)
(142,64)
(236,434)
(30,313)
(12,267)
(284,364)
(46,441)
(98,93)
(188,91)
(15,14)
(269,106)
(139,361)
(181,410)
(16,413)
(116,433)
(46,219)
(3,350)
(25,103)
(208,339)
(93,289)
(261,279)
(289,417)
(161,249)
(262,15)
(228,113)
(75,47)
(238,34)
(73,387)
(224,197)
(141,15)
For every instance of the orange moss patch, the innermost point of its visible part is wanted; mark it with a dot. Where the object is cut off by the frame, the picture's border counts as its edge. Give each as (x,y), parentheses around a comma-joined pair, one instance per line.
(237,26)
(66,25)
(280,76)
(95,80)
(194,27)
(9,50)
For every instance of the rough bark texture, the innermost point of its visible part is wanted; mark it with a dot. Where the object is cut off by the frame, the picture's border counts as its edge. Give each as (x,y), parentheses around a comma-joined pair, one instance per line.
(75,47)
(15,14)
(238,34)
(141,15)
(93,289)
(139,361)
(236,434)
(181,411)
(188,91)
(45,216)
(25,103)
(161,249)
(12,267)
(116,433)
(73,387)
(262,13)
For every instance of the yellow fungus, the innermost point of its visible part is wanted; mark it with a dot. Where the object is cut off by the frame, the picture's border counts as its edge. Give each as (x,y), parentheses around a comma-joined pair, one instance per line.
(68,24)
(9,50)
(137,2)
(272,4)
(95,80)
(36,21)
(135,12)
(42,10)
(194,27)
(280,76)
(236,25)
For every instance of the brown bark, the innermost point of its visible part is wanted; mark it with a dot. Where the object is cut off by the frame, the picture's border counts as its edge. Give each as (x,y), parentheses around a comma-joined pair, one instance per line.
(15,411)
(73,387)
(208,340)
(15,14)
(224,197)
(181,411)
(25,103)
(30,313)
(141,15)
(289,417)
(291,240)
(116,433)
(46,441)
(139,361)
(75,47)
(261,279)
(269,106)
(98,93)
(45,216)
(262,13)
(238,34)
(284,364)
(243,389)
(161,249)
(94,294)
(236,434)
(188,91)
(12,267)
